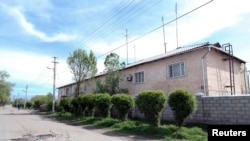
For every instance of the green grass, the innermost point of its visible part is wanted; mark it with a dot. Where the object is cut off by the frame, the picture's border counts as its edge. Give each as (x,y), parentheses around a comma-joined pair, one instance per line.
(136,127)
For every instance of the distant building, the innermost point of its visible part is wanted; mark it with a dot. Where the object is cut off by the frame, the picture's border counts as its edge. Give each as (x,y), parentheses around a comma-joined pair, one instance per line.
(206,68)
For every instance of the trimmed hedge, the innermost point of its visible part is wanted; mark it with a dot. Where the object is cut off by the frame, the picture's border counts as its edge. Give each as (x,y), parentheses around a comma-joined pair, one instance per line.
(76,105)
(151,103)
(103,104)
(88,104)
(182,103)
(66,104)
(123,103)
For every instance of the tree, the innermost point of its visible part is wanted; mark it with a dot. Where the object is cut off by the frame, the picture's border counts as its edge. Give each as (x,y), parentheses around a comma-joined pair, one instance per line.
(5,88)
(39,100)
(82,66)
(112,67)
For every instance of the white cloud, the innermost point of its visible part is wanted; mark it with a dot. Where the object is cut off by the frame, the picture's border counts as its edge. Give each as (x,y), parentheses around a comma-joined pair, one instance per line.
(29,28)
(196,26)
(32,68)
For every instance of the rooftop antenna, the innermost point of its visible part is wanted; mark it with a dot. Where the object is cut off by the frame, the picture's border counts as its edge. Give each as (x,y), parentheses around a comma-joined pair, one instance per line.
(164,34)
(176,24)
(134,54)
(127,43)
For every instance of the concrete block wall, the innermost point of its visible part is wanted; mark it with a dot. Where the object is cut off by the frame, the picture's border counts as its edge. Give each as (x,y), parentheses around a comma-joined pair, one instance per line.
(214,110)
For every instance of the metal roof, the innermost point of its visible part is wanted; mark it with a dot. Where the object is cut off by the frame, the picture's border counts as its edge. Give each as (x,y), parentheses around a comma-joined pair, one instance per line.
(177,51)
(174,52)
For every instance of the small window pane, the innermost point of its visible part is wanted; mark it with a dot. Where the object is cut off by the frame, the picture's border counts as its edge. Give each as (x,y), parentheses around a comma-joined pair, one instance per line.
(139,77)
(176,70)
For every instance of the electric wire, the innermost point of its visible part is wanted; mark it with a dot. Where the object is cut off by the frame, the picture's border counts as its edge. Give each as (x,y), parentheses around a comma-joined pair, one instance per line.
(156,28)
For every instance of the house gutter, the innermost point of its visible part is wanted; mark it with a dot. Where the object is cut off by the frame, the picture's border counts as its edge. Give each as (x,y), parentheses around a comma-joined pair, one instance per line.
(203,70)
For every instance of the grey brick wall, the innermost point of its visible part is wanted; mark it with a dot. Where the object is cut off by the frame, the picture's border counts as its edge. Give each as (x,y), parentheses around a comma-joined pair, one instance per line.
(214,110)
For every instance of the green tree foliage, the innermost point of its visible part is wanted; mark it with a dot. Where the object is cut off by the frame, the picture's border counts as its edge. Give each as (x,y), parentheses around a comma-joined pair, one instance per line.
(49,97)
(88,102)
(58,107)
(100,87)
(151,103)
(3,99)
(103,104)
(5,88)
(39,100)
(113,75)
(183,104)
(66,104)
(28,105)
(82,66)
(123,103)
(18,103)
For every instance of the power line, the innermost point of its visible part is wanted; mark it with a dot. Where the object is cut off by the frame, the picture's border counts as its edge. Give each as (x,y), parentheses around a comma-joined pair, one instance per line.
(158,27)
(106,20)
(128,16)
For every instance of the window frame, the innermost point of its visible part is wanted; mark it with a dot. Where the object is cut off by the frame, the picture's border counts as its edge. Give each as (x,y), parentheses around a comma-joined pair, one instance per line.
(84,87)
(171,72)
(141,80)
(67,91)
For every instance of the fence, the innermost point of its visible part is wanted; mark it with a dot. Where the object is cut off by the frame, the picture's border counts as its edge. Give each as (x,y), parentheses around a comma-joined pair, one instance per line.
(214,110)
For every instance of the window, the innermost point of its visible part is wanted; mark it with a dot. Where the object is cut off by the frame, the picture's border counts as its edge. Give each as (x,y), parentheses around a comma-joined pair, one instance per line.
(139,77)
(67,91)
(84,87)
(176,70)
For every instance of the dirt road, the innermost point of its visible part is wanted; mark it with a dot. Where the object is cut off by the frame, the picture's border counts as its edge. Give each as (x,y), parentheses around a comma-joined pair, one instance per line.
(25,125)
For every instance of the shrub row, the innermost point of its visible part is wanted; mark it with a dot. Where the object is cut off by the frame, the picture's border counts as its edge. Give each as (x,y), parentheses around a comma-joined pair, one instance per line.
(97,105)
(150,102)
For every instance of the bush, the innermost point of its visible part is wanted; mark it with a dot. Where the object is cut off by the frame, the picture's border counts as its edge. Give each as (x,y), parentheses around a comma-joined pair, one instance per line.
(103,104)
(151,103)
(49,105)
(28,105)
(58,107)
(123,103)
(76,105)
(37,104)
(66,104)
(182,103)
(88,104)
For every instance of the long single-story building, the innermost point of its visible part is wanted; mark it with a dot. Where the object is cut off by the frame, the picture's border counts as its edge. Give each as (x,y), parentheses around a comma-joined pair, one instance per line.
(206,68)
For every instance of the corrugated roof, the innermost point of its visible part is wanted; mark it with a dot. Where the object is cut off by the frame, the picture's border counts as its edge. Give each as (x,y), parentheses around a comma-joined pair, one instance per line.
(174,52)
(179,50)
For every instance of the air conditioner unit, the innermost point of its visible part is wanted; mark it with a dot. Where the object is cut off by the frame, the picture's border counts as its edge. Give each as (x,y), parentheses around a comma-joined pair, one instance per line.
(129,77)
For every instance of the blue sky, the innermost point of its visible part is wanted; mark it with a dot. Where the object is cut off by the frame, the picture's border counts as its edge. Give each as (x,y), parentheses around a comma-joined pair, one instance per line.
(33,31)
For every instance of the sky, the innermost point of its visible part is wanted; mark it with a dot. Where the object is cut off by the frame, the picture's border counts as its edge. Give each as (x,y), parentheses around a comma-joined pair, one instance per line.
(32,32)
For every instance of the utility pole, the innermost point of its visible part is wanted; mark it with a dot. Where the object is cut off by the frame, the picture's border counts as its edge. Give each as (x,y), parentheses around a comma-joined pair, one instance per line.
(25,101)
(134,54)
(54,83)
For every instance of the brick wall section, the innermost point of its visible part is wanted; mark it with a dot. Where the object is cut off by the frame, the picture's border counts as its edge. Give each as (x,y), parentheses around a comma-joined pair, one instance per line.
(214,110)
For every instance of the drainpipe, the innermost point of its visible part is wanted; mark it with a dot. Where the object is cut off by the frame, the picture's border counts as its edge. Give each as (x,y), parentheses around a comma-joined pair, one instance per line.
(203,70)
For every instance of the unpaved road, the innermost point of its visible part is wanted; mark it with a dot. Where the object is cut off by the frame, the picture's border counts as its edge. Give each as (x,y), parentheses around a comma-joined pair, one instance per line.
(23,125)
